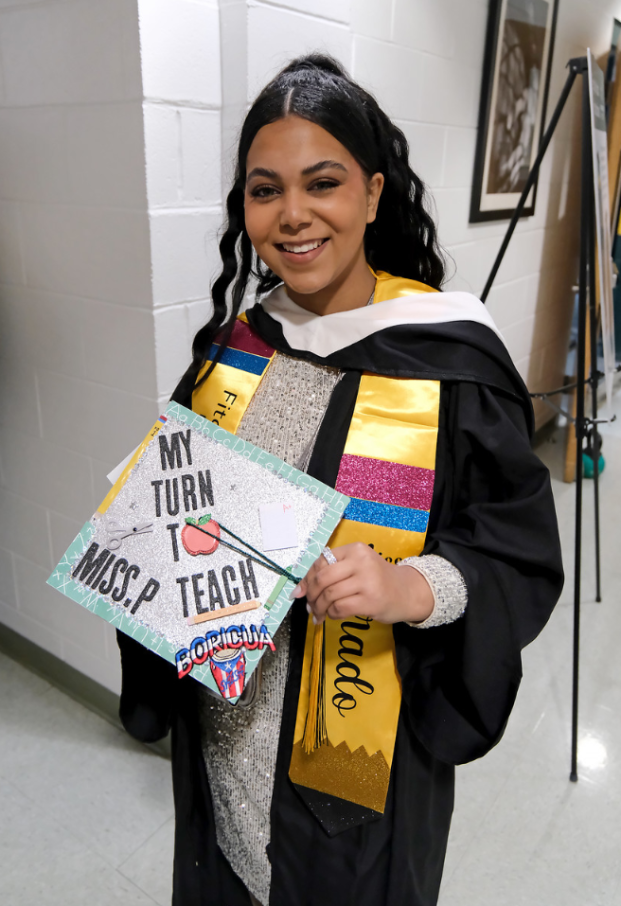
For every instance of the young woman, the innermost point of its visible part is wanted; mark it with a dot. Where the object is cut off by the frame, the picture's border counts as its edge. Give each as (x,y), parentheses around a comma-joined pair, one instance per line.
(333,782)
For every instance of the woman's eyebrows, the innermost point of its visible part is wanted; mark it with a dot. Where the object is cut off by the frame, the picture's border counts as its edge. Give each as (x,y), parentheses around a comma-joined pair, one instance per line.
(262,171)
(323,165)
(307,171)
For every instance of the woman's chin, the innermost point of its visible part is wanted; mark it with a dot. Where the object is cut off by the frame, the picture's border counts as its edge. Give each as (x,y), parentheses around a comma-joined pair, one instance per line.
(303,285)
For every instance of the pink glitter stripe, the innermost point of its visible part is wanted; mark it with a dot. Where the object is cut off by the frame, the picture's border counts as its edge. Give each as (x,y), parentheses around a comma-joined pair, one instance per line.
(385,482)
(246,340)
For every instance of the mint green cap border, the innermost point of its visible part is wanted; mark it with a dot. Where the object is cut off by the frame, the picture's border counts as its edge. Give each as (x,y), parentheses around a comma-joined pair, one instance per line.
(62,580)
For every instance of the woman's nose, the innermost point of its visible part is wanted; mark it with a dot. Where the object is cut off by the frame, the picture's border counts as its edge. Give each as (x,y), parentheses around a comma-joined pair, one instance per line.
(295,213)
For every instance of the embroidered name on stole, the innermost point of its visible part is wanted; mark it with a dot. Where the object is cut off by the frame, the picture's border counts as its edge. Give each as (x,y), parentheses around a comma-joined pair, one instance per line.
(395,419)
(224,398)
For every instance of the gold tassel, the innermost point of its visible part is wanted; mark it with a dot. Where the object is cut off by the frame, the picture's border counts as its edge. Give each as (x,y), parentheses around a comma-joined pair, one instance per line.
(315,733)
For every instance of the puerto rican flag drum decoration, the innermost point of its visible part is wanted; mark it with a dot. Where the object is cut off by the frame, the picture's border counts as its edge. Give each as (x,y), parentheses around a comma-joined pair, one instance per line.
(229,671)
(197,546)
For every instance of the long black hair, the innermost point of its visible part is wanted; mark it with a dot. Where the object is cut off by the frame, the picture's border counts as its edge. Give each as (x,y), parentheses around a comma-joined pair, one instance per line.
(402,240)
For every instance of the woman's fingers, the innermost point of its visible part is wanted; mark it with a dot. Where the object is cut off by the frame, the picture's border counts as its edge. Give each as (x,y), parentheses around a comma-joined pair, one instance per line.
(346,607)
(328,602)
(327,586)
(308,582)
(324,578)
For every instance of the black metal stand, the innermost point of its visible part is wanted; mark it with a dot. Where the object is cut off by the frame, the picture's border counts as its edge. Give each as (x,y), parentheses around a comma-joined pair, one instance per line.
(584,426)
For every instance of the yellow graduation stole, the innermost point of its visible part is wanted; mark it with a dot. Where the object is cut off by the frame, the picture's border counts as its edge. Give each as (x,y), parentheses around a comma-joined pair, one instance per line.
(350,695)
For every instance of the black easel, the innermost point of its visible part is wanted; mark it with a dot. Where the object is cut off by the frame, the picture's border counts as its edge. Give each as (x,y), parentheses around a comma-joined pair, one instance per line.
(585,427)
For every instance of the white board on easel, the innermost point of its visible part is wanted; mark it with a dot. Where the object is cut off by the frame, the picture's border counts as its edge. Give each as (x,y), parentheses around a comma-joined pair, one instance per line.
(602,217)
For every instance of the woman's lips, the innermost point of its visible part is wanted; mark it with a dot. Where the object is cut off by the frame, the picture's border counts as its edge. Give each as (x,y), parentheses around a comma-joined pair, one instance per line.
(301,257)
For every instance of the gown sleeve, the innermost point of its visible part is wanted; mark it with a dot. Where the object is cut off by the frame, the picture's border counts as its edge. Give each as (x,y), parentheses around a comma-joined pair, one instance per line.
(147,690)
(493,517)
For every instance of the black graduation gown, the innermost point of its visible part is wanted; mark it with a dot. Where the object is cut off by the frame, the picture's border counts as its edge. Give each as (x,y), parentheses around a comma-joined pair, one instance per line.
(493,517)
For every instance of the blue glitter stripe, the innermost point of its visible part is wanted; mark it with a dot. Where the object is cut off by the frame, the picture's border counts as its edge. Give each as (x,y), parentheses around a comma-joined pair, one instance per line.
(398,517)
(245,361)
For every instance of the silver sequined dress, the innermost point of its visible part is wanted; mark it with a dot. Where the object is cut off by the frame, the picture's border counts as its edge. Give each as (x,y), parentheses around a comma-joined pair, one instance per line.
(240,746)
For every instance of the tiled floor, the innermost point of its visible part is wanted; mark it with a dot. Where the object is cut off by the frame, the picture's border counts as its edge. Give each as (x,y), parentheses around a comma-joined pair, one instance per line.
(86,813)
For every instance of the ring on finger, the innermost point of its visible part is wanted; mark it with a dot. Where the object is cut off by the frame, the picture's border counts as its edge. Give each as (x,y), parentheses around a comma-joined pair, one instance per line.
(329,556)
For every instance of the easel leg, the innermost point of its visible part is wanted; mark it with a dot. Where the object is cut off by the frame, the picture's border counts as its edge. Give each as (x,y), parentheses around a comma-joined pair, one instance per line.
(598,580)
(577,66)
(595,438)
(586,210)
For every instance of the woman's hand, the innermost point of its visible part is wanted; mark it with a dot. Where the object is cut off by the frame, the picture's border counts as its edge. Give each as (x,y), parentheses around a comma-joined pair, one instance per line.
(361,583)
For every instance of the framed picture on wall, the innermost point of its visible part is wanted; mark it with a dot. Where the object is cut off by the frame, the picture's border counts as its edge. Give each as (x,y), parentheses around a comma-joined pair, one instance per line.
(514,92)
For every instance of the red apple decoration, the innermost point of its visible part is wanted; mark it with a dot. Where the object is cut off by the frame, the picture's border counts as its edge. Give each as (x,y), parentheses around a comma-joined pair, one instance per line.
(197,542)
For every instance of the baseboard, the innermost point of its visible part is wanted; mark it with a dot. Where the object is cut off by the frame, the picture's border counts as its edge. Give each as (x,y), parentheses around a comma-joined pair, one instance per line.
(76,685)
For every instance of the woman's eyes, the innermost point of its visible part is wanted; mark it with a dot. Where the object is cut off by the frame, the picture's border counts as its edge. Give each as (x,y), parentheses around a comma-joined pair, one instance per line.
(323,184)
(264,191)
(320,185)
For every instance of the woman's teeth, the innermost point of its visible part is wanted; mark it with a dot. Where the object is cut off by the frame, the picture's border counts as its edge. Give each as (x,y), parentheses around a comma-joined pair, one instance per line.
(300,249)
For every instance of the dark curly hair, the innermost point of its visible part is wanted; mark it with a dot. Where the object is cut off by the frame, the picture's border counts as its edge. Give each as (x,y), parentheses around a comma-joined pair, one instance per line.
(402,240)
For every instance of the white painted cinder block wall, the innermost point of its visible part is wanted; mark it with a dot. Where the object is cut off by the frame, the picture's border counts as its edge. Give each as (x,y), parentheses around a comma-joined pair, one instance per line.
(76,323)
(180,44)
(117,133)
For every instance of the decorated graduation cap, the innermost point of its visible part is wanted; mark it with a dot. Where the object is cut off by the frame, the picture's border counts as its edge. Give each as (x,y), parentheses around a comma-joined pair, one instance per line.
(195,549)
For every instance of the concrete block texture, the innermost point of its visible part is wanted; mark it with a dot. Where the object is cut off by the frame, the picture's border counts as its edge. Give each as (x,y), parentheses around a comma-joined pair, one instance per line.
(11,245)
(33,151)
(84,52)
(95,252)
(42,604)
(277,35)
(510,302)
(184,254)
(24,528)
(54,476)
(180,51)
(372,19)
(162,134)
(105,154)
(233,48)
(450,91)
(519,338)
(427,25)
(173,346)
(73,154)
(62,532)
(19,401)
(8,590)
(394,74)
(62,397)
(183,156)
(198,315)
(41,330)
(333,10)
(200,157)
(118,344)
(426,150)
(459,157)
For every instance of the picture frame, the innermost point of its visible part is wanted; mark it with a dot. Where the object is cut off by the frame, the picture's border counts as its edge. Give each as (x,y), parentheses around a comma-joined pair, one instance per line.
(514,93)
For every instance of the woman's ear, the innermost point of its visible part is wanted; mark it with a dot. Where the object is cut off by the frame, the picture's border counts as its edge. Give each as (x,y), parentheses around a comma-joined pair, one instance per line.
(374,190)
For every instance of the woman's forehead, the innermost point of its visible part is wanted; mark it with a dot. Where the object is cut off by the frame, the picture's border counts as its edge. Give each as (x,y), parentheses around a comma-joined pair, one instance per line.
(292,145)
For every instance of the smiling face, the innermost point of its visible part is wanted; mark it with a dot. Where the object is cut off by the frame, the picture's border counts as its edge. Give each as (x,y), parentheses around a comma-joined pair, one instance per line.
(307,204)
